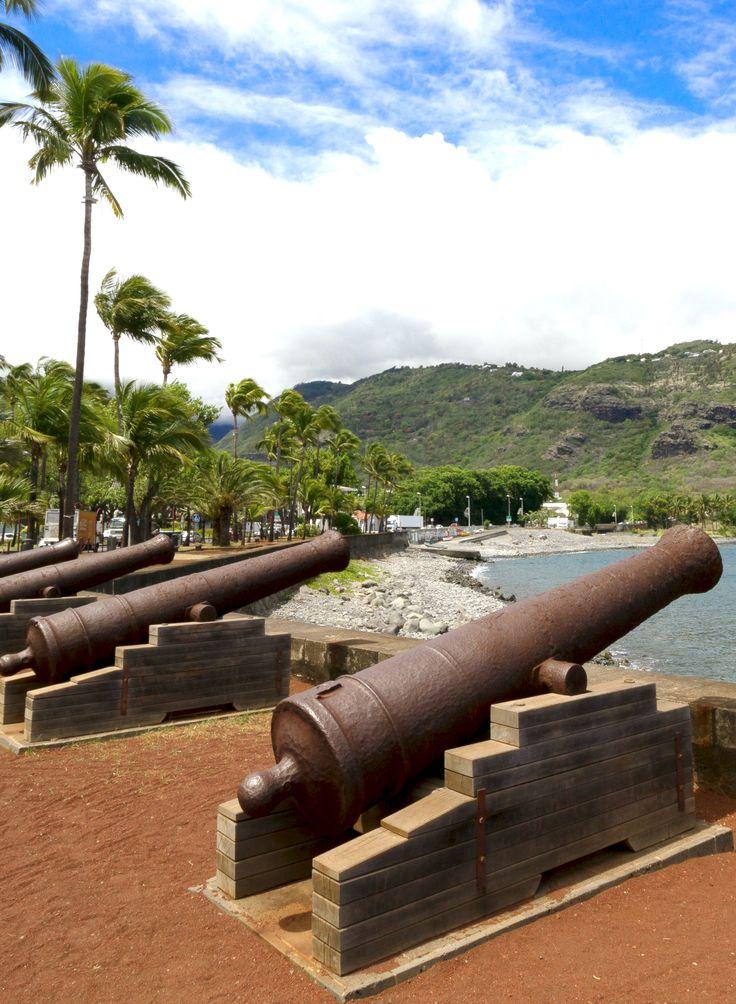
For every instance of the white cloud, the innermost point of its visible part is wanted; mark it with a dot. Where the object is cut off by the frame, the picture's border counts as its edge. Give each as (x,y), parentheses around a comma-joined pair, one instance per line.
(707,34)
(576,248)
(336,36)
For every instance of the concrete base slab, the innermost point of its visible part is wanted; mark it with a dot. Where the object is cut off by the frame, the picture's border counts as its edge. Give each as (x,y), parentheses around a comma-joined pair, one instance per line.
(12,737)
(283,917)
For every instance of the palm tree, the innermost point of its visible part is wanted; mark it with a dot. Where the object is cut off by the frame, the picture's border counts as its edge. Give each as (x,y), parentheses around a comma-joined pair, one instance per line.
(18,49)
(84,120)
(245,399)
(14,495)
(345,446)
(376,465)
(183,341)
(131,307)
(157,427)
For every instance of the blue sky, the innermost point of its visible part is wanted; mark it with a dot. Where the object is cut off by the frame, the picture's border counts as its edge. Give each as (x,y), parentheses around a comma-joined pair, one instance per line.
(667,61)
(420,181)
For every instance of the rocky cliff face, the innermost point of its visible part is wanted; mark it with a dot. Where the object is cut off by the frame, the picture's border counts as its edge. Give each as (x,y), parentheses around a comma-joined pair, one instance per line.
(604,402)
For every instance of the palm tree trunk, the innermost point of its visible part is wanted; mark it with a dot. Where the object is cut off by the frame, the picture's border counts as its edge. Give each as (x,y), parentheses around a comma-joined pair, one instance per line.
(129,530)
(167,370)
(72,480)
(235,435)
(118,395)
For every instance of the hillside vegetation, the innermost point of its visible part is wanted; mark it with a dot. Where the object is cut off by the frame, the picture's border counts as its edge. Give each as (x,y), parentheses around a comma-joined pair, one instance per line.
(658,420)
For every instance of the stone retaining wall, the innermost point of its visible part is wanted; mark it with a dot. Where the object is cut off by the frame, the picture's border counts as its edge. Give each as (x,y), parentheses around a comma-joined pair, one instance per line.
(376,545)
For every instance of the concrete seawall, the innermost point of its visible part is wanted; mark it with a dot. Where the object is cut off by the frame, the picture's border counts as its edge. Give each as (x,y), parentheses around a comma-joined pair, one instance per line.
(323,653)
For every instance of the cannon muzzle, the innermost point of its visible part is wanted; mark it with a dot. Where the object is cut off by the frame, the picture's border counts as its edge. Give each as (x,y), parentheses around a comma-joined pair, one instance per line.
(24,561)
(350,743)
(68,578)
(75,640)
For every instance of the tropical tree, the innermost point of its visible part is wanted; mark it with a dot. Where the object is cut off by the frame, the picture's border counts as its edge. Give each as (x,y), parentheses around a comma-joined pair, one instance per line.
(184,341)
(14,504)
(85,119)
(245,399)
(19,50)
(231,483)
(132,307)
(345,447)
(158,426)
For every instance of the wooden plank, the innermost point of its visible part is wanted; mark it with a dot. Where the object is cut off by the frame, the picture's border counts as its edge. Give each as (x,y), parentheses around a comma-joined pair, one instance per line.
(109,709)
(233,810)
(355,935)
(398,894)
(488,757)
(389,944)
(235,824)
(441,809)
(665,830)
(136,658)
(381,848)
(382,881)
(502,785)
(39,606)
(252,884)
(528,735)
(37,732)
(541,796)
(273,859)
(193,632)
(238,850)
(544,708)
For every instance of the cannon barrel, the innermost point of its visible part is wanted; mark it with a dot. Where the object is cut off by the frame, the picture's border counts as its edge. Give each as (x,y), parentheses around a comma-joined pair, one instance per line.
(24,561)
(350,743)
(68,578)
(75,640)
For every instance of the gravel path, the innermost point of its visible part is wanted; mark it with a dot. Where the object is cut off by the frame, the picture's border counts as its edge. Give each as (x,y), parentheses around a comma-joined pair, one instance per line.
(409,594)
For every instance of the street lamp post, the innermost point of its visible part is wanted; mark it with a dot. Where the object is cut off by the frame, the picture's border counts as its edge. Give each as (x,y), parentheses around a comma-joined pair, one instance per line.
(419,496)
(521,500)
(508,508)
(468,498)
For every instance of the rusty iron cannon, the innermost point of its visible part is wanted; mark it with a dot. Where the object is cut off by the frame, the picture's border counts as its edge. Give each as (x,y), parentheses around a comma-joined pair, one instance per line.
(75,640)
(71,576)
(353,742)
(25,561)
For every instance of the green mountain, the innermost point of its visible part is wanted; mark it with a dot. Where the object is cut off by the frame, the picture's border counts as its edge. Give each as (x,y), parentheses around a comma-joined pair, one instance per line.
(666,419)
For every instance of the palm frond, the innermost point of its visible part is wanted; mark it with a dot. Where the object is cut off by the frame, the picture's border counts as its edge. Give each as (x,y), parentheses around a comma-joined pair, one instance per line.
(101,187)
(25,55)
(146,165)
(26,7)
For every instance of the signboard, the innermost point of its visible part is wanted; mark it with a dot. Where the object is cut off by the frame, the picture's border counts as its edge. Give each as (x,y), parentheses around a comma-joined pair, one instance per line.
(86,527)
(195,517)
(508,519)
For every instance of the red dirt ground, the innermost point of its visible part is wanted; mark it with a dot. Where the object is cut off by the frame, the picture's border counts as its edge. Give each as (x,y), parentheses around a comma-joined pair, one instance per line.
(102,842)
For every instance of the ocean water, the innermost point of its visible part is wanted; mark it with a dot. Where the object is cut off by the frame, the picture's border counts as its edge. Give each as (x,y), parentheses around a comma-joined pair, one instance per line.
(694,635)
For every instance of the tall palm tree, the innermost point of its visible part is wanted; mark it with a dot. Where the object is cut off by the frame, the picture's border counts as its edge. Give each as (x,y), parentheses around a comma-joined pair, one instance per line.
(344,446)
(245,399)
(18,49)
(184,341)
(157,426)
(131,307)
(85,120)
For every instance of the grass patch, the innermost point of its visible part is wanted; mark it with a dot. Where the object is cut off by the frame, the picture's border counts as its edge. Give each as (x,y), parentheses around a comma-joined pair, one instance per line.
(356,572)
